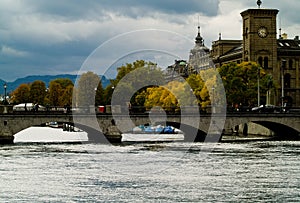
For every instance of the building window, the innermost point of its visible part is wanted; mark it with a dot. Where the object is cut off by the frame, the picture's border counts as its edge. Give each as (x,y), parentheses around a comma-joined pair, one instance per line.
(290,64)
(260,60)
(287,80)
(283,64)
(266,62)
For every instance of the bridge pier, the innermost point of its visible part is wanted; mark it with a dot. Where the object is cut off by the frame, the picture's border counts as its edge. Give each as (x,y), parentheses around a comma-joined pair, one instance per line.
(6,140)
(6,135)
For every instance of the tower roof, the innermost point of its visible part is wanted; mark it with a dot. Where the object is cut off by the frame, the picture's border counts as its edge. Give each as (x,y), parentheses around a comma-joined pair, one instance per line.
(199,39)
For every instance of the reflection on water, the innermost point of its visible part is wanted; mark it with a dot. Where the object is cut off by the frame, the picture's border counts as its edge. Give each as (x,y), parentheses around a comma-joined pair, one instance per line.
(151,172)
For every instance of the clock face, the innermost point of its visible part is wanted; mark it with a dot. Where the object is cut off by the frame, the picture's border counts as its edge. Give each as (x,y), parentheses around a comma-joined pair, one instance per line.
(262,32)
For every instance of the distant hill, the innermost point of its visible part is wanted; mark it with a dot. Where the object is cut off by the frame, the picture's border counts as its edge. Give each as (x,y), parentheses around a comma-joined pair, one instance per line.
(11,86)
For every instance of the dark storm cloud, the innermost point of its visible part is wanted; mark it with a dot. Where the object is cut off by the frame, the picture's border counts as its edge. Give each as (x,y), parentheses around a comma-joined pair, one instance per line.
(44,37)
(41,36)
(132,8)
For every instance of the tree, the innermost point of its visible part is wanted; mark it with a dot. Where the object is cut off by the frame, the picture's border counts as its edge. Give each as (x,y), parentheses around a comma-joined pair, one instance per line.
(86,89)
(55,92)
(60,92)
(133,79)
(197,85)
(240,82)
(64,82)
(66,98)
(21,94)
(99,98)
(37,92)
(170,97)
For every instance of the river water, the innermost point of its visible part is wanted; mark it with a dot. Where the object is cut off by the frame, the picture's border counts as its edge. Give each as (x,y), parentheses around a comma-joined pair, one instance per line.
(151,172)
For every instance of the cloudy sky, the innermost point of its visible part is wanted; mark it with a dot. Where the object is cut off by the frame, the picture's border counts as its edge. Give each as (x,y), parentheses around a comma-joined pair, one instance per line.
(72,36)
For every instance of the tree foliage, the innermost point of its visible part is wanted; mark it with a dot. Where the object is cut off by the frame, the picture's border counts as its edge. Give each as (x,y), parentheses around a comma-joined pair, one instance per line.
(37,92)
(86,89)
(21,94)
(132,81)
(241,82)
(59,93)
(99,98)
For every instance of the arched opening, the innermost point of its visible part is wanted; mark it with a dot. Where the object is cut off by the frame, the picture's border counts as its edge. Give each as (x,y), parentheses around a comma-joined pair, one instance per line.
(190,133)
(281,131)
(260,61)
(266,62)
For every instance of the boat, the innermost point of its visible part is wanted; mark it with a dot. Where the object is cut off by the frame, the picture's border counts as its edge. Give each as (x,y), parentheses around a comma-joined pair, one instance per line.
(159,129)
(149,133)
(53,124)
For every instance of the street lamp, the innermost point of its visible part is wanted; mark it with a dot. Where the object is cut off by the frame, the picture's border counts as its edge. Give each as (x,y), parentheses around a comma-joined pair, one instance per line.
(191,96)
(5,86)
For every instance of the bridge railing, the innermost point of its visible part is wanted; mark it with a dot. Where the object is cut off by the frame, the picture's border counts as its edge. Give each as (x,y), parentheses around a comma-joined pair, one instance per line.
(135,110)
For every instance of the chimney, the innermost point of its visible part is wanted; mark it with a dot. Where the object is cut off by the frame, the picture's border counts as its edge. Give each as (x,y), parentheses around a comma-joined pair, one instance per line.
(296,38)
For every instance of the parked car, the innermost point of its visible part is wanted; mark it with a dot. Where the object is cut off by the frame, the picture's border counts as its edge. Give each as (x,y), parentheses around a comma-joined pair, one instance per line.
(267,108)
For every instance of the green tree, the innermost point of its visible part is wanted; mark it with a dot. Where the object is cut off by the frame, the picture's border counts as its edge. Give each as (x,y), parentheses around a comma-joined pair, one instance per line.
(240,82)
(107,94)
(99,98)
(139,74)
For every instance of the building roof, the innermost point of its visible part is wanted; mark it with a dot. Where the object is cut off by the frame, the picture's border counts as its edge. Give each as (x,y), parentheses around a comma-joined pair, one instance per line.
(288,46)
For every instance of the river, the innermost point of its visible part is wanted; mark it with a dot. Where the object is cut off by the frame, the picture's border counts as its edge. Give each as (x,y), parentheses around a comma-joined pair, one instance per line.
(150,172)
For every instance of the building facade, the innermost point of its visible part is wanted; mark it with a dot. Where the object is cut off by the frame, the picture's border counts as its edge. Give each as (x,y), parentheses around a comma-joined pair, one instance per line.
(276,54)
(199,59)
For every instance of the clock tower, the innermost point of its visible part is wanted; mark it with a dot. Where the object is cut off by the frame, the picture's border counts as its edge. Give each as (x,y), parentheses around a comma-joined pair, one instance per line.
(259,37)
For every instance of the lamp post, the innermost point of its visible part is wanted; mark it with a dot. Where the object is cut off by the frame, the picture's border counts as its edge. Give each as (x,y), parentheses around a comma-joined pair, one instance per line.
(5,109)
(5,86)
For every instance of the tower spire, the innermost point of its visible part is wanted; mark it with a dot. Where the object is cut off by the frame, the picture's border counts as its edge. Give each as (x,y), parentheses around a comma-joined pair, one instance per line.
(199,39)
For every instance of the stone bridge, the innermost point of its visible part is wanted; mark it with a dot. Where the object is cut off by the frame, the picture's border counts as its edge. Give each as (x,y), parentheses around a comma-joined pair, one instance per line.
(107,128)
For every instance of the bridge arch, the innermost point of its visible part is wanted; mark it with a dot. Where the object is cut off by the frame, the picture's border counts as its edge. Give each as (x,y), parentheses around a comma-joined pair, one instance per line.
(94,135)
(281,131)
(191,134)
